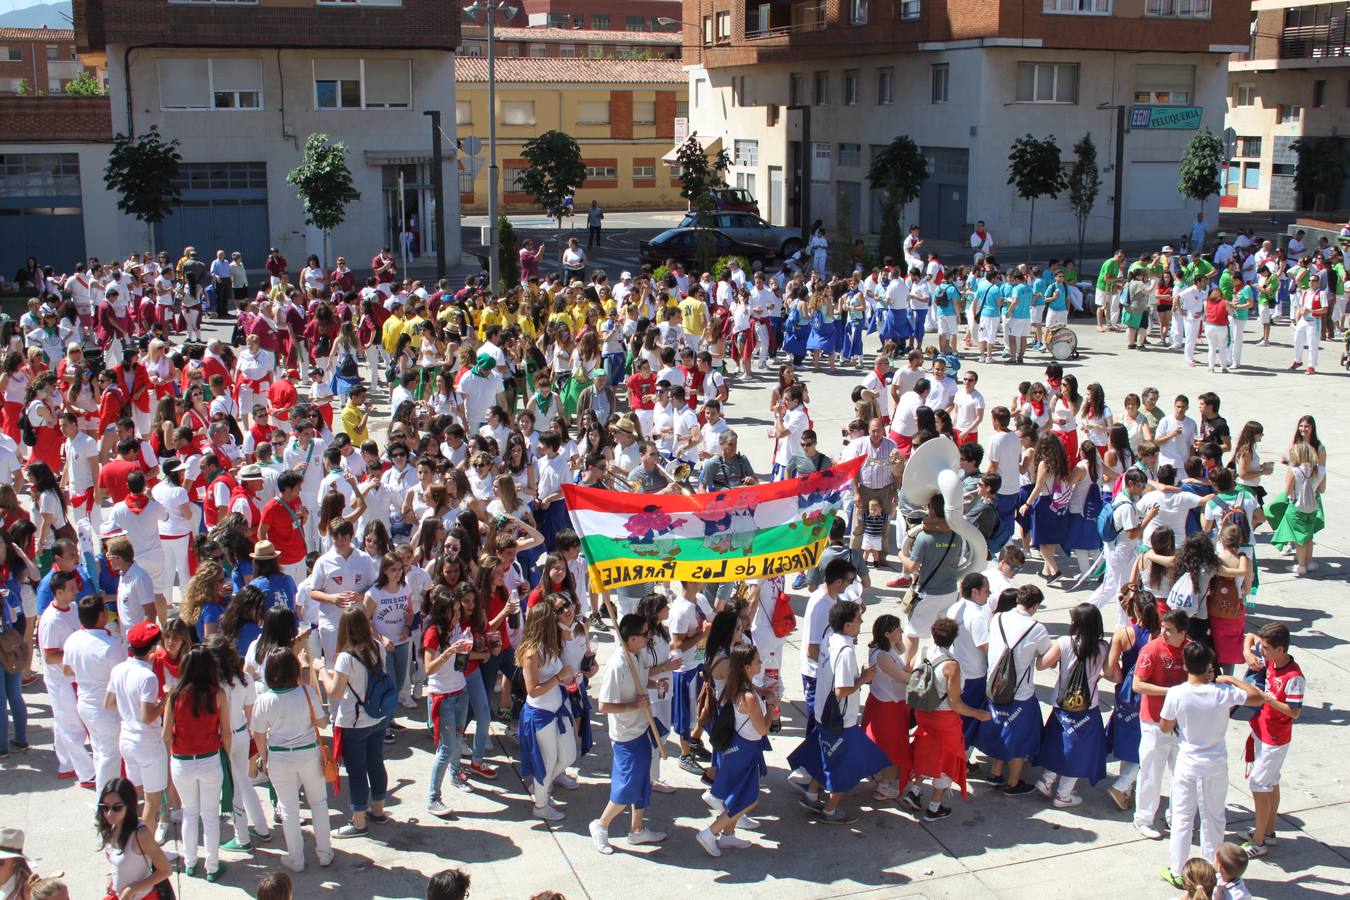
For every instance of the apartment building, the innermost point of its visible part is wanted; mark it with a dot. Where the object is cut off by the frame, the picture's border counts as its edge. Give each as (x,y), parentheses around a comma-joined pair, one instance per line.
(621,112)
(1292,82)
(601,15)
(241,84)
(37,61)
(964,79)
(571,43)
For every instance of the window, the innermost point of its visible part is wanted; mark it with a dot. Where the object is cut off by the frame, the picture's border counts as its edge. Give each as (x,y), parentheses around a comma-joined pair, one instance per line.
(593,112)
(850,155)
(201,83)
(707,31)
(1079,7)
(851,87)
(942,75)
(746,153)
(885,87)
(1319,93)
(13,54)
(517,112)
(1249,147)
(1251,176)
(1164,85)
(744,180)
(511,174)
(1245,95)
(1289,114)
(857,12)
(602,173)
(1047,83)
(595,51)
(739,97)
(644,112)
(52,53)
(600,23)
(538,51)
(1284,170)
(1178,9)
(53,85)
(909,9)
(820,163)
(636,23)
(362,84)
(700,86)
(559,20)
(325,2)
(463,112)
(567,51)
(681,109)
(796,89)
(724,27)
(822,91)
(643,170)
(39,173)
(513,50)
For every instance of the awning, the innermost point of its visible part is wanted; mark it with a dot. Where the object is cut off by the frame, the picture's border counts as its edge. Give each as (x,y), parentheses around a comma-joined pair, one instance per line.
(709,145)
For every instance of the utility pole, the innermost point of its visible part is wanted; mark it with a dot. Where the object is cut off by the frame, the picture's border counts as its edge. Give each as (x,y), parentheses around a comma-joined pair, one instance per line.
(1118,202)
(438,189)
(804,183)
(494,262)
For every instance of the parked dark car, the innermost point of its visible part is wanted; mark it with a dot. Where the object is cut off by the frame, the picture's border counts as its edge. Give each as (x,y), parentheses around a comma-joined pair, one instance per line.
(748,227)
(683,244)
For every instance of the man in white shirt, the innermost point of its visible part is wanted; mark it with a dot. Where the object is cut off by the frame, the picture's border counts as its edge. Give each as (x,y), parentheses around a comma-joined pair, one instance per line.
(133,690)
(1188,316)
(904,380)
(90,656)
(482,388)
(981,242)
(663,421)
(1198,711)
(1001,571)
(81,470)
(341,578)
(910,248)
(176,528)
(875,480)
(905,424)
(59,621)
(1175,434)
(875,383)
(685,432)
(839,574)
(397,481)
(1119,553)
(971,647)
(969,404)
(304,454)
(942,393)
(1223,253)
(136,598)
(1014,733)
(139,518)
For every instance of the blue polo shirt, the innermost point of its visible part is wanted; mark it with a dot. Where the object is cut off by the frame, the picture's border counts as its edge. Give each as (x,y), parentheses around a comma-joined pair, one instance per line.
(1021,302)
(45,594)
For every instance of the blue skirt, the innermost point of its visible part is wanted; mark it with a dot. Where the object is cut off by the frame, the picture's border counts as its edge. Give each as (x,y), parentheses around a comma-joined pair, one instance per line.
(917,319)
(532,721)
(630,780)
(824,337)
(684,692)
(1122,732)
(1074,745)
(739,769)
(839,761)
(1023,494)
(895,325)
(1048,526)
(973,694)
(1014,732)
(579,705)
(853,338)
(1082,534)
(794,341)
(551,521)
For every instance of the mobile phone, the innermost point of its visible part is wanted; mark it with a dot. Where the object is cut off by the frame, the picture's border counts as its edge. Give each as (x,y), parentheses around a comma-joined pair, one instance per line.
(587,662)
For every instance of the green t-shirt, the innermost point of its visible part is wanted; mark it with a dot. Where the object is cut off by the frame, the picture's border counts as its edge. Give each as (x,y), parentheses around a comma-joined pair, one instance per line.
(1109,276)
(1226,284)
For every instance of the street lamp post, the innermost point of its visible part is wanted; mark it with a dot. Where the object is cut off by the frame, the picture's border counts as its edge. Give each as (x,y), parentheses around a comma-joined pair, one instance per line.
(489,10)
(1119,173)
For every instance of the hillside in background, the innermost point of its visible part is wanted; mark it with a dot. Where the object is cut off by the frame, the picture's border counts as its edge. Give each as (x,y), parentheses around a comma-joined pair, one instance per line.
(51,15)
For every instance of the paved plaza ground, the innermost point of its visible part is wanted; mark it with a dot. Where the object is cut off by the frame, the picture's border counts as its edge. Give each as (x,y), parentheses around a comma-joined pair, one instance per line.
(993,846)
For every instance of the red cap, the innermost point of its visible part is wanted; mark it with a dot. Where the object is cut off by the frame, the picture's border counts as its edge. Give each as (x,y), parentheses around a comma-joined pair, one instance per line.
(142,635)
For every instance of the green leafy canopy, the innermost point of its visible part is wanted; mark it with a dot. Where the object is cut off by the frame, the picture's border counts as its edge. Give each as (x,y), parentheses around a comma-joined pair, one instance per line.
(323,182)
(899,171)
(556,171)
(1034,167)
(1198,171)
(142,171)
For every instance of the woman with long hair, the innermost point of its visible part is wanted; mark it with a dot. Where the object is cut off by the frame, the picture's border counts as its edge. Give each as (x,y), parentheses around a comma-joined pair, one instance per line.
(554,577)
(1073,744)
(80,397)
(1048,502)
(1139,611)
(1248,466)
(1297,513)
(473,622)
(1095,419)
(241,623)
(1064,408)
(1191,569)
(198,731)
(168,658)
(546,750)
(741,763)
(1082,539)
(138,863)
(389,604)
(49,502)
(358,737)
(1227,598)
(885,717)
(240,694)
(280,628)
(286,718)
(1118,455)
(14,379)
(503,614)
(41,407)
(446,646)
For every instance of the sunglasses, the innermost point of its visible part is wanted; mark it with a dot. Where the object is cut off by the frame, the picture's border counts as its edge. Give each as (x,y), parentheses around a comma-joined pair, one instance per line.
(564,606)
(398,456)
(111,807)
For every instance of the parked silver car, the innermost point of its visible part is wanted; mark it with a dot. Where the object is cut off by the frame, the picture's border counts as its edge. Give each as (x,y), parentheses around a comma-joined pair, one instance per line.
(750,228)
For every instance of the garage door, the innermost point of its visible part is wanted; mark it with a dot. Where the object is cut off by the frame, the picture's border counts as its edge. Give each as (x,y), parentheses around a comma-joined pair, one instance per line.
(223,207)
(40,211)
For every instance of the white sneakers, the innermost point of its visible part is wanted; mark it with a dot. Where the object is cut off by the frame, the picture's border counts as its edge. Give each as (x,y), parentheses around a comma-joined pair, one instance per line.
(548,814)
(566,781)
(646,836)
(708,841)
(600,837)
(730,840)
(1148,831)
(439,809)
(713,803)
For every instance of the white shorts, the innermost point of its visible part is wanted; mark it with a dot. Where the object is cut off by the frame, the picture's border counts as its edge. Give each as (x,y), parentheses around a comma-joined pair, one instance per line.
(147,763)
(1019,328)
(1265,313)
(1103,300)
(1265,774)
(1056,317)
(873,541)
(946,325)
(1037,314)
(989,329)
(920,624)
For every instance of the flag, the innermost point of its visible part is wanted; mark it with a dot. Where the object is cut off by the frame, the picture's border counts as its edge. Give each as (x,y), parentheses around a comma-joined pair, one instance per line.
(759,531)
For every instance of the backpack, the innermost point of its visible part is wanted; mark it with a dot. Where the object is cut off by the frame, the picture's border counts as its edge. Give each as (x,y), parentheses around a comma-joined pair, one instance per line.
(723,728)
(1076,694)
(26,430)
(347,366)
(1106,521)
(381,699)
(323,346)
(783,620)
(1233,514)
(927,688)
(1003,678)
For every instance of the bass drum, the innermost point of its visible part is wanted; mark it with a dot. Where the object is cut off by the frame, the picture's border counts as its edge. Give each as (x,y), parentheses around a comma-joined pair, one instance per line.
(1063,343)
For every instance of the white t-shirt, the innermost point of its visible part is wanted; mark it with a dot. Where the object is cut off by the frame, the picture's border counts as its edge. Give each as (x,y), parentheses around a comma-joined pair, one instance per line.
(906,422)
(1178,448)
(1036,643)
(617,686)
(142,529)
(479,394)
(973,619)
(135,591)
(92,654)
(334,574)
(1172,509)
(873,383)
(49,502)
(79,452)
(1201,713)
(969,405)
(790,445)
(1006,450)
(391,611)
(684,619)
(172,498)
(447,679)
(686,421)
(132,683)
(817,622)
(1126,516)
(358,677)
(840,671)
(54,628)
(283,719)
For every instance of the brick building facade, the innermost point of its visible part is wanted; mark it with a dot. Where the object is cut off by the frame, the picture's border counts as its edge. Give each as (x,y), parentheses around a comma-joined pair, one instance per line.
(38,61)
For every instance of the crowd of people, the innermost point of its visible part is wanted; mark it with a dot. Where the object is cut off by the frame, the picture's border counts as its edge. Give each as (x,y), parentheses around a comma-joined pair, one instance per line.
(253,591)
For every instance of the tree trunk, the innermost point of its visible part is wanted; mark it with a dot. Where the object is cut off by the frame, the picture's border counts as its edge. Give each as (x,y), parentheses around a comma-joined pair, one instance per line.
(1031,225)
(150,237)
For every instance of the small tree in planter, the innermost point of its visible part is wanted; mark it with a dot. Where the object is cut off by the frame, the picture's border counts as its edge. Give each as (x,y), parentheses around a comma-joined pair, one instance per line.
(1036,171)
(143,172)
(324,184)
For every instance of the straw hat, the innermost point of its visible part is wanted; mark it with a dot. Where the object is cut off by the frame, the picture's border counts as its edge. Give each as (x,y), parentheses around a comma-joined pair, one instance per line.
(264,550)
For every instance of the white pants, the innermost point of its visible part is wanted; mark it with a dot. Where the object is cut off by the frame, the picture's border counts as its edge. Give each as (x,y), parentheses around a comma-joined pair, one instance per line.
(175,551)
(104,728)
(153,564)
(1205,794)
(1192,327)
(193,316)
(142,420)
(1178,332)
(198,782)
(1056,317)
(68,732)
(1216,336)
(373,362)
(558,752)
(1307,333)
(1119,558)
(1235,329)
(1157,751)
(247,807)
(290,771)
(147,762)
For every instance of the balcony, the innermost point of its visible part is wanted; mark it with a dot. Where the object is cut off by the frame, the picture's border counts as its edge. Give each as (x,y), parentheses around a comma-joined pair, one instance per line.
(765,21)
(1316,32)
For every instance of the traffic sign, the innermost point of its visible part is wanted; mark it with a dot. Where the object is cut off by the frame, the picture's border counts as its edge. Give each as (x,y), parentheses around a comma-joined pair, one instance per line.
(471,145)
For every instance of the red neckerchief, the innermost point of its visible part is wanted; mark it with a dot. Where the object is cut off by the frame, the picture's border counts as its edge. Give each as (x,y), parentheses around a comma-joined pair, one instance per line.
(1038,408)
(137,503)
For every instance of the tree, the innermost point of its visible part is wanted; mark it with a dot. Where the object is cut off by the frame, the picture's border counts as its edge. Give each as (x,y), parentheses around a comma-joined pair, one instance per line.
(84,85)
(508,259)
(324,184)
(556,171)
(1035,170)
(1084,184)
(143,172)
(1198,172)
(24,88)
(899,172)
(699,175)
(1322,163)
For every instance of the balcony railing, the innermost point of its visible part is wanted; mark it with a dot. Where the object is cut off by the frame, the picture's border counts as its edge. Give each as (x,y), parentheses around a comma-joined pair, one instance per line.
(1316,32)
(770,20)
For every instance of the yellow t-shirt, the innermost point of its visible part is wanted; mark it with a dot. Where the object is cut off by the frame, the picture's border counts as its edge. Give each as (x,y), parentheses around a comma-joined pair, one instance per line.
(394,327)
(351,421)
(695,314)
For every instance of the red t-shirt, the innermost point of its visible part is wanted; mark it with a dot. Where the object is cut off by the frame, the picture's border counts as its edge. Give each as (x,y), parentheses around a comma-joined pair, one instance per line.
(283,531)
(431,640)
(113,477)
(642,391)
(496,603)
(194,735)
(1216,312)
(1287,684)
(1162,664)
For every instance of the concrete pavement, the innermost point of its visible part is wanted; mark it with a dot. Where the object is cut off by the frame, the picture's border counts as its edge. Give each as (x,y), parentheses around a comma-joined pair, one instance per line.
(993,846)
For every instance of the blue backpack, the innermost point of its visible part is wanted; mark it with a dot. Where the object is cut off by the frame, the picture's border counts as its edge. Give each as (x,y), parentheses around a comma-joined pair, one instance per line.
(1106,521)
(381,697)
